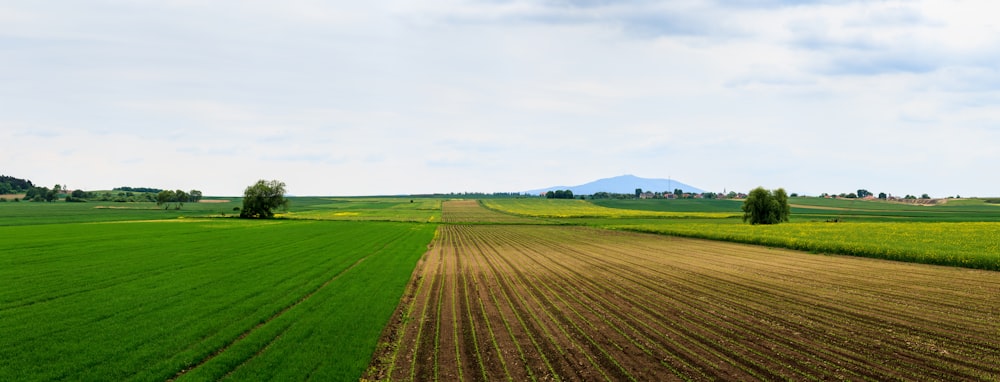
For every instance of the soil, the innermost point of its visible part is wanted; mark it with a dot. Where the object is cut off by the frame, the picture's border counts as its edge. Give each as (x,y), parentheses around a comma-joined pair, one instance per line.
(524,302)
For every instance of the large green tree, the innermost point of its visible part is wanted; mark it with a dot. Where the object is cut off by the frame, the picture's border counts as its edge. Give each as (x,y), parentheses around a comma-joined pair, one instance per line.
(766,207)
(262,198)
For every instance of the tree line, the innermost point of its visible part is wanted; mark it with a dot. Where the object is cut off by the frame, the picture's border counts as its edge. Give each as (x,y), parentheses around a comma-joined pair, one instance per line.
(177,198)
(12,185)
(559,194)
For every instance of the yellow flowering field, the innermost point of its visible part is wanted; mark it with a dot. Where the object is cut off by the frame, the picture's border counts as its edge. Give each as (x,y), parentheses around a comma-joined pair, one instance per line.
(965,244)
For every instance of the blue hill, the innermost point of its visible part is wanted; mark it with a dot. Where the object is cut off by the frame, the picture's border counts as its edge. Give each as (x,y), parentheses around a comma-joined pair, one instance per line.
(625,184)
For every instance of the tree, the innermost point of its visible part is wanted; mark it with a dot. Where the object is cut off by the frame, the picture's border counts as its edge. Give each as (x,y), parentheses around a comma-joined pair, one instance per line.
(925,196)
(883,196)
(194,196)
(863,193)
(638,192)
(181,197)
(262,198)
(766,207)
(165,197)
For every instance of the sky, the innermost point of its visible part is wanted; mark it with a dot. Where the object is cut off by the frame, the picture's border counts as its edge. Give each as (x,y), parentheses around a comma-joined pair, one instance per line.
(408,97)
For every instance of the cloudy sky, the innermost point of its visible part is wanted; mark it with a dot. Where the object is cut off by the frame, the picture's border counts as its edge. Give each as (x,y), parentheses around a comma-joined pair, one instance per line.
(391,97)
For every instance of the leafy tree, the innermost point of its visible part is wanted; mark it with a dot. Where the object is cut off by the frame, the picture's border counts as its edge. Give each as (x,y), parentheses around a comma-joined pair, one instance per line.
(766,207)
(194,196)
(883,196)
(925,196)
(638,192)
(863,193)
(262,198)
(165,197)
(181,197)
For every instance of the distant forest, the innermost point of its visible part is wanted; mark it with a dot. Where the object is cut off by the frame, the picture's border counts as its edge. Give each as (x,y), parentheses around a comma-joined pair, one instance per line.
(12,185)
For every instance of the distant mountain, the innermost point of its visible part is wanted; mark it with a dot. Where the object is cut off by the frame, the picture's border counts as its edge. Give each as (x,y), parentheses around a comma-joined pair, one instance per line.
(625,184)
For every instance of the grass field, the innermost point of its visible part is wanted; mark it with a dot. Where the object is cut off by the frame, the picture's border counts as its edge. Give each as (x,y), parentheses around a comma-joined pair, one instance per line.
(371,209)
(563,208)
(24,213)
(966,244)
(199,299)
(960,233)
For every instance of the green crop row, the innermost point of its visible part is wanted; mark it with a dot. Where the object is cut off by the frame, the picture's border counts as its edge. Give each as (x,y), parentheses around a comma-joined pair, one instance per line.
(199,298)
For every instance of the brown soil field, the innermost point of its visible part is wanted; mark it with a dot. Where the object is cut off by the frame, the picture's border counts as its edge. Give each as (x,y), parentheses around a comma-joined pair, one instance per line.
(521,302)
(11,196)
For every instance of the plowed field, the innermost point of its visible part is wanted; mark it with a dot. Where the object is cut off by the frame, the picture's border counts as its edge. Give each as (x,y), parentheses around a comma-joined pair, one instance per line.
(571,303)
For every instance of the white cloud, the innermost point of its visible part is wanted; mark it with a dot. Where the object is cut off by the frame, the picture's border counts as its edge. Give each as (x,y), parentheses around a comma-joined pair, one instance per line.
(397,97)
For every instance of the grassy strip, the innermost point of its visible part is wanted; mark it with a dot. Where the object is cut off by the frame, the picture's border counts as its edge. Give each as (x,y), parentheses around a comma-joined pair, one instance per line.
(969,244)
(560,208)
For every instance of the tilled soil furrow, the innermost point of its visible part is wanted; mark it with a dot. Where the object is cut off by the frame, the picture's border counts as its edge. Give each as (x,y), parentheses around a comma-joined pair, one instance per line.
(572,303)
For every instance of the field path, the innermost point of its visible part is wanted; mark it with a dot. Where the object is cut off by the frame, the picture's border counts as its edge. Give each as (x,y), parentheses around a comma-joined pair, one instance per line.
(524,302)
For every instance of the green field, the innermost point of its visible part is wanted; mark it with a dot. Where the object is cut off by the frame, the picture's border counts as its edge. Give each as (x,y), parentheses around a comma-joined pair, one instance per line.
(370,209)
(567,208)
(24,213)
(199,298)
(963,233)
(130,291)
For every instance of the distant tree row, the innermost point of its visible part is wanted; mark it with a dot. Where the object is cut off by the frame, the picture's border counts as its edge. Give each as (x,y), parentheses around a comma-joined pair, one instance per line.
(138,189)
(43,194)
(177,198)
(559,194)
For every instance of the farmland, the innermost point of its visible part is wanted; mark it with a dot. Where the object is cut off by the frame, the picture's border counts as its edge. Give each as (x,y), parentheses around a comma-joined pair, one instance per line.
(199,299)
(526,289)
(366,209)
(964,244)
(511,302)
(962,234)
(562,208)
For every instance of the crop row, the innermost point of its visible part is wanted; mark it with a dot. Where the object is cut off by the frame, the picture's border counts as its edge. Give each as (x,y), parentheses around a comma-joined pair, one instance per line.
(197,299)
(571,303)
